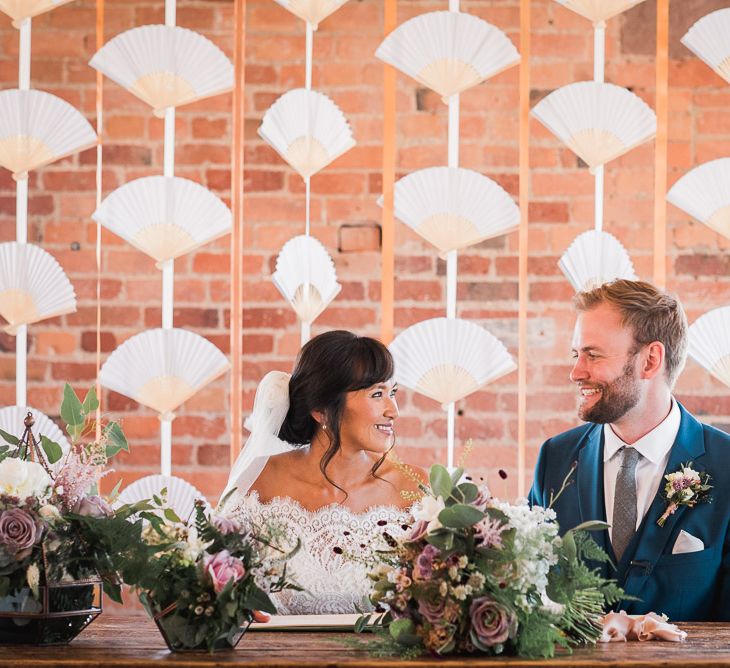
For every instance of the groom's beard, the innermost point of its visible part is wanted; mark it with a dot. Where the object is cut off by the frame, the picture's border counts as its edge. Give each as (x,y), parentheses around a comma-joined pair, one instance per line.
(617,398)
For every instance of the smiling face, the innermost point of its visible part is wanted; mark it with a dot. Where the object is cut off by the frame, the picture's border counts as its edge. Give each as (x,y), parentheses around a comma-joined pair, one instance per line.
(606,366)
(368,418)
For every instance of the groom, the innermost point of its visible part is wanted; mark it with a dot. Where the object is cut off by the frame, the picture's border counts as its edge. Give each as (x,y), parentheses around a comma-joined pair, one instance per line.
(629,346)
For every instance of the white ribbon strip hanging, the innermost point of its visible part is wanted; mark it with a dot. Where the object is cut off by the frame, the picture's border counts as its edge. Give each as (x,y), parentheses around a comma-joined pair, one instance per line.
(599,67)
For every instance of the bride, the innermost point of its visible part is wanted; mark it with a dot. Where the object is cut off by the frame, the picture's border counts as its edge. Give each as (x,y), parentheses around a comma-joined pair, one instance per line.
(316,462)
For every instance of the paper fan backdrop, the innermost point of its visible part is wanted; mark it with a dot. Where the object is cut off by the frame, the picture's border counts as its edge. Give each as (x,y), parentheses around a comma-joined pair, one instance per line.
(708,40)
(162,368)
(452,207)
(598,11)
(18,10)
(33,286)
(448,52)
(165,66)
(37,128)
(307,129)
(312,11)
(597,121)
(164,217)
(709,343)
(305,275)
(181,495)
(11,421)
(704,193)
(448,359)
(594,258)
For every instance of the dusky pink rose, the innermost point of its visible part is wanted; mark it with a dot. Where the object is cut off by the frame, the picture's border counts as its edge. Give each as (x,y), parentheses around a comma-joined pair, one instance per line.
(222,568)
(19,532)
(93,506)
(432,608)
(491,623)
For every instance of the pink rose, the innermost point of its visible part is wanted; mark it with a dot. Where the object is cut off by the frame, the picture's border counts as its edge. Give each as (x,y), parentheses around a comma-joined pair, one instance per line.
(419,529)
(491,623)
(222,568)
(226,525)
(93,506)
(19,532)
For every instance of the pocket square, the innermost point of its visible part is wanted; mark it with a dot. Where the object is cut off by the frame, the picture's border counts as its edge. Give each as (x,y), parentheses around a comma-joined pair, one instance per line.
(686,543)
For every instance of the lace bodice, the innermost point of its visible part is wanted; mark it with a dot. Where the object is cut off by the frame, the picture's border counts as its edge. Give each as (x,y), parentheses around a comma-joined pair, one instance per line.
(334,580)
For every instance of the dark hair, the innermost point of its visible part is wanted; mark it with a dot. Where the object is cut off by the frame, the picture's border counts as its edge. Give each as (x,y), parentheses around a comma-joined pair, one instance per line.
(329,366)
(653,315)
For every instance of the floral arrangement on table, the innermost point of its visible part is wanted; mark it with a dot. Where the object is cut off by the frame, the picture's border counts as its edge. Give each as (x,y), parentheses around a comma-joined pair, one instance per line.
(478,575)
(55,528)
(206,575)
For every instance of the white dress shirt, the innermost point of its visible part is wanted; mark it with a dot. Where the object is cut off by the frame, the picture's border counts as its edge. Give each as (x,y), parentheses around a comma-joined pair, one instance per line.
(654,448)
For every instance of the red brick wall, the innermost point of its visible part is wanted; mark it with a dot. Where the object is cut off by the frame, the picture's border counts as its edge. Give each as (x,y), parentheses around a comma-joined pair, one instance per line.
(62,199)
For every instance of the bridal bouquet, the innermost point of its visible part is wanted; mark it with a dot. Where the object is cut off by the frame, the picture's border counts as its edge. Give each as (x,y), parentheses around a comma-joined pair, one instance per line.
(477,575)
(201,578)
(58,536)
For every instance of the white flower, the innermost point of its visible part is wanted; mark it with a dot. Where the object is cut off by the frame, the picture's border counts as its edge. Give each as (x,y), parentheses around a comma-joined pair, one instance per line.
(461,592)
(463,561)
(443,589)
(193,547)
(49,513)
(453,572)
(427,510)
(33,575)
(22,479)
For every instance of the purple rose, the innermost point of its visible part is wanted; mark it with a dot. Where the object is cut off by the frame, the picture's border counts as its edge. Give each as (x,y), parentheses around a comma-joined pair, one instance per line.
(226,525)
(93,506)
(222,568)
(491,623)
(432,607)
(19,532)
(423,569)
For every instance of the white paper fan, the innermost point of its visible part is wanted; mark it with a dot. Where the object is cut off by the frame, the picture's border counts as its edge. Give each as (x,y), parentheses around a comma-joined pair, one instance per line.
(25,9)
(594,258)
(448,359)
(33,286)
(181,495)
(162,368)
(37,128)
(599,11)
(307,129)
(11,421)
(312,11)
(164,217)
(708,39)
(709,342)
(448,51)
(305,275)
(165,66)
(452,207)
(598,121)
(704,193)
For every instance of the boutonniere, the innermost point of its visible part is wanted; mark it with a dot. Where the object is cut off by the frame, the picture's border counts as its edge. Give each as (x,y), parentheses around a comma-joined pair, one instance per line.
(685,487)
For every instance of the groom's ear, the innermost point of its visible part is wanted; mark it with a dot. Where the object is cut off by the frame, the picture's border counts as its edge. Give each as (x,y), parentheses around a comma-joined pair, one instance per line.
(654,360)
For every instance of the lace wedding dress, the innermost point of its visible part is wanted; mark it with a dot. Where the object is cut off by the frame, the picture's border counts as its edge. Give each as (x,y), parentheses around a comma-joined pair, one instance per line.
(334,538)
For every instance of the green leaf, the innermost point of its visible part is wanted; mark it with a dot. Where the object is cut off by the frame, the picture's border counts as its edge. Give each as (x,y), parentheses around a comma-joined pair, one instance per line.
(569,548)
(469,491)
(443,540)
(72,412)
(116,440)
(91,403)
(9,438)
(591,525)
(403,631)
(460,516)
(259,600)
(171,515)
(456,475)
(361,623)
(440,481)
(51,449)
(115,492)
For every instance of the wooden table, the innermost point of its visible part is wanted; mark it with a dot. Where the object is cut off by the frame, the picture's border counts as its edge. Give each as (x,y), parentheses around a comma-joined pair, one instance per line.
(135,641)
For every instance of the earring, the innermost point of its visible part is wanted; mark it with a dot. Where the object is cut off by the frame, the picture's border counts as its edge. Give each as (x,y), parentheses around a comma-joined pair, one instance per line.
(324,427)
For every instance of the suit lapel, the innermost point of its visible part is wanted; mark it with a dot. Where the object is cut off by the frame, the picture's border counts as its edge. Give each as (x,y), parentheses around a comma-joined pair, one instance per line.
(651,539)
(589,482)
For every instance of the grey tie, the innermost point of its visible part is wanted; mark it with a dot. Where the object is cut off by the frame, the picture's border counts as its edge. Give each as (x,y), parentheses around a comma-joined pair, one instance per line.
(624,502)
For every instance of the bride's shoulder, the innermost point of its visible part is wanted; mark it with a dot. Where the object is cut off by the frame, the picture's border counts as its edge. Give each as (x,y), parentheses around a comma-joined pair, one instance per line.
(406,477)
(279,467)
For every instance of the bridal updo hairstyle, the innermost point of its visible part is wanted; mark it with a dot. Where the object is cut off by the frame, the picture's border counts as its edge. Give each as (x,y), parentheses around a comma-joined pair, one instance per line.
(327,368)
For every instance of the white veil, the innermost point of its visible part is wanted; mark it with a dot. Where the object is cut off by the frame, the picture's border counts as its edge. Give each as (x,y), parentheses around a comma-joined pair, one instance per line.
(269,410)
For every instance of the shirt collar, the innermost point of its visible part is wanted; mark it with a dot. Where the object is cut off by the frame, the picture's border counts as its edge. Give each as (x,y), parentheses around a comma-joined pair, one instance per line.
(654,445)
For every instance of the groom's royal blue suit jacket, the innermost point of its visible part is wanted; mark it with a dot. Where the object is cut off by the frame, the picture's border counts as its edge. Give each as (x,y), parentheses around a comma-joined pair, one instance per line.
(687,587)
